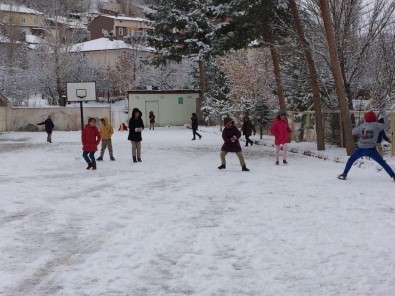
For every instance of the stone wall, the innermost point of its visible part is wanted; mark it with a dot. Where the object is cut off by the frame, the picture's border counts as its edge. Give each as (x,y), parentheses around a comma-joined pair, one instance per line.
(64,118)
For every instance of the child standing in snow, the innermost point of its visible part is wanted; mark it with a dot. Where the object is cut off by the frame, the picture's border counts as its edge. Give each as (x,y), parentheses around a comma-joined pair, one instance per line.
(231,135)
(90,139)
(248,128)
(368,133)
(136,126)
(281,132)
(106,131)
(48,123)
(151,117)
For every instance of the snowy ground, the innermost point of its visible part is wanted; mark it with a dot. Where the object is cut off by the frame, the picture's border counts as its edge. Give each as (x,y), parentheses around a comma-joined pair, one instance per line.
(176,225)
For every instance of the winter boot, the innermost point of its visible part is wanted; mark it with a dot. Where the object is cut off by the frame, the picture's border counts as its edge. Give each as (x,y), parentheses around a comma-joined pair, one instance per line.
(244,168)
(99,158)
(193,139)
(139,159)
(343,177)
(94,166)
(134,159)
(277,163)
(252,143)
(222,166)
(393,178)
(200,136)
(89,166)
(112,158)
(285,162)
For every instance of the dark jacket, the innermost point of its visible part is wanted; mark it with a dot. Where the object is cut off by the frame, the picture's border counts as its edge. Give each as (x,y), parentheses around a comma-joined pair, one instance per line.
(194,122)
(48,125)
(90,138)
(247,127)
(151,117)
(135,123)
(382,134)
(230,145)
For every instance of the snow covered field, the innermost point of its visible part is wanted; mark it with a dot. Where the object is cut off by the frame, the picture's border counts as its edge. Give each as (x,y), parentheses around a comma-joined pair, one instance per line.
(176,225)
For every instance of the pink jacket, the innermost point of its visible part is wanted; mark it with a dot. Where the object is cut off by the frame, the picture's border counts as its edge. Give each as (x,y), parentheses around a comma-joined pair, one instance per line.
(281,131)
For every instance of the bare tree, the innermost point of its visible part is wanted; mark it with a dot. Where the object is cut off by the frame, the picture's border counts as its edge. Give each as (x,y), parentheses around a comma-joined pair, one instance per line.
(336,71)
(249,75)
(313,76)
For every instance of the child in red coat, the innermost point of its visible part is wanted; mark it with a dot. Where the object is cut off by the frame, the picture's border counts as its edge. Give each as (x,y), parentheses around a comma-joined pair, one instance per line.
(281,132)
(90,139)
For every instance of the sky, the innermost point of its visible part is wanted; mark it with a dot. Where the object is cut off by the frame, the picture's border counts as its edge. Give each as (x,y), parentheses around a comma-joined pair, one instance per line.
(174,224)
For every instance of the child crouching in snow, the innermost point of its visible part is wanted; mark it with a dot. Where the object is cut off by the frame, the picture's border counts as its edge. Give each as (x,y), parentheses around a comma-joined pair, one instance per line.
(368,133)
(281,132)
(90,139)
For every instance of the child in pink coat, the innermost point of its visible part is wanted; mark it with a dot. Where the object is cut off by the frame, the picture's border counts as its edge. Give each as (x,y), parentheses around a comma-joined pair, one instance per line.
(281,132)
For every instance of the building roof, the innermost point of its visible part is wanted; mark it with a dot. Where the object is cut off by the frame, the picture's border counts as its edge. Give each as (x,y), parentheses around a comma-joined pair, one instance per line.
(17,8)
(125,18)
(102,44)
(71,23)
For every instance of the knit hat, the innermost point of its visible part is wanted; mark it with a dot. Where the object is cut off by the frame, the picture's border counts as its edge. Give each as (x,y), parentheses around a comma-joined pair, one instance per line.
(227,120)
(370,117)
(281,112)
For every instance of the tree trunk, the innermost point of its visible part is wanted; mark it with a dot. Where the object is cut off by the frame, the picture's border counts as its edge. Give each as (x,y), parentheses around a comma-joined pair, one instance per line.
(319,121)
(337,76)
(277,72)
(202,84)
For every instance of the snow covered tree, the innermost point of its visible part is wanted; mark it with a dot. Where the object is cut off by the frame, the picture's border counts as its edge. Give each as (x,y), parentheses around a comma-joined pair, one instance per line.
(181,28)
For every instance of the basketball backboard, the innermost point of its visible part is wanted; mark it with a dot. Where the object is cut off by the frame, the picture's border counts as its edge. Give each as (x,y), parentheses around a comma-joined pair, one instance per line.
(81,91)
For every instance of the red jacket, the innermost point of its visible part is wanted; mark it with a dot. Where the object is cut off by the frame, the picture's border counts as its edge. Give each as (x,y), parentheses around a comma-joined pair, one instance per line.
(90,138)
(281,131)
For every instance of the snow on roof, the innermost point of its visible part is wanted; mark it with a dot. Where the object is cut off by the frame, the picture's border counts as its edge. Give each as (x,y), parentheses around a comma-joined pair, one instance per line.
(126,18)
(33,39)
(4,39)
(71,23)
(106,44)
(17,8)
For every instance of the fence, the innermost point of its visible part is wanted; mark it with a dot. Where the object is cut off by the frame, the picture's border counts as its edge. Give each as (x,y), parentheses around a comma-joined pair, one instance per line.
(303,126)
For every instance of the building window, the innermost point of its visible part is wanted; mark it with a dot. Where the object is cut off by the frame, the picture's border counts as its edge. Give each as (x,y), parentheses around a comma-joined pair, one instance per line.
(23,20)
(120,31)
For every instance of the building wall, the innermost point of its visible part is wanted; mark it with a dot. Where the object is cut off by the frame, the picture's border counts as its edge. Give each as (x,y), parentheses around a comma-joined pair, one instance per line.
(111,24)
(64,118)
(3,119)
(115,7)
(109,57)
(21,19)
(170,107)
(129,27)
(98,24)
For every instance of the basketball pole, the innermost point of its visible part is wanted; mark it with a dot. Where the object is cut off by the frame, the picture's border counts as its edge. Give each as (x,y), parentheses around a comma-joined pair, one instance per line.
(82,116)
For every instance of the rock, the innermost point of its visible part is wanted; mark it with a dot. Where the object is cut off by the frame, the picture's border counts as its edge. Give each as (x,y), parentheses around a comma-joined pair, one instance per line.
(31,128)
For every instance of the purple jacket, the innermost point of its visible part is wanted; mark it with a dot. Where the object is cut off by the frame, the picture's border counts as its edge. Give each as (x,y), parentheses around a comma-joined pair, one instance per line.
(229,144)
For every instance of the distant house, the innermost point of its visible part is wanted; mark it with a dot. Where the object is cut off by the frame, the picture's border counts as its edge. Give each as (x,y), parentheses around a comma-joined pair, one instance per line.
(61,27)
(104,51)
(117,9)
(119,26)
(22,19)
